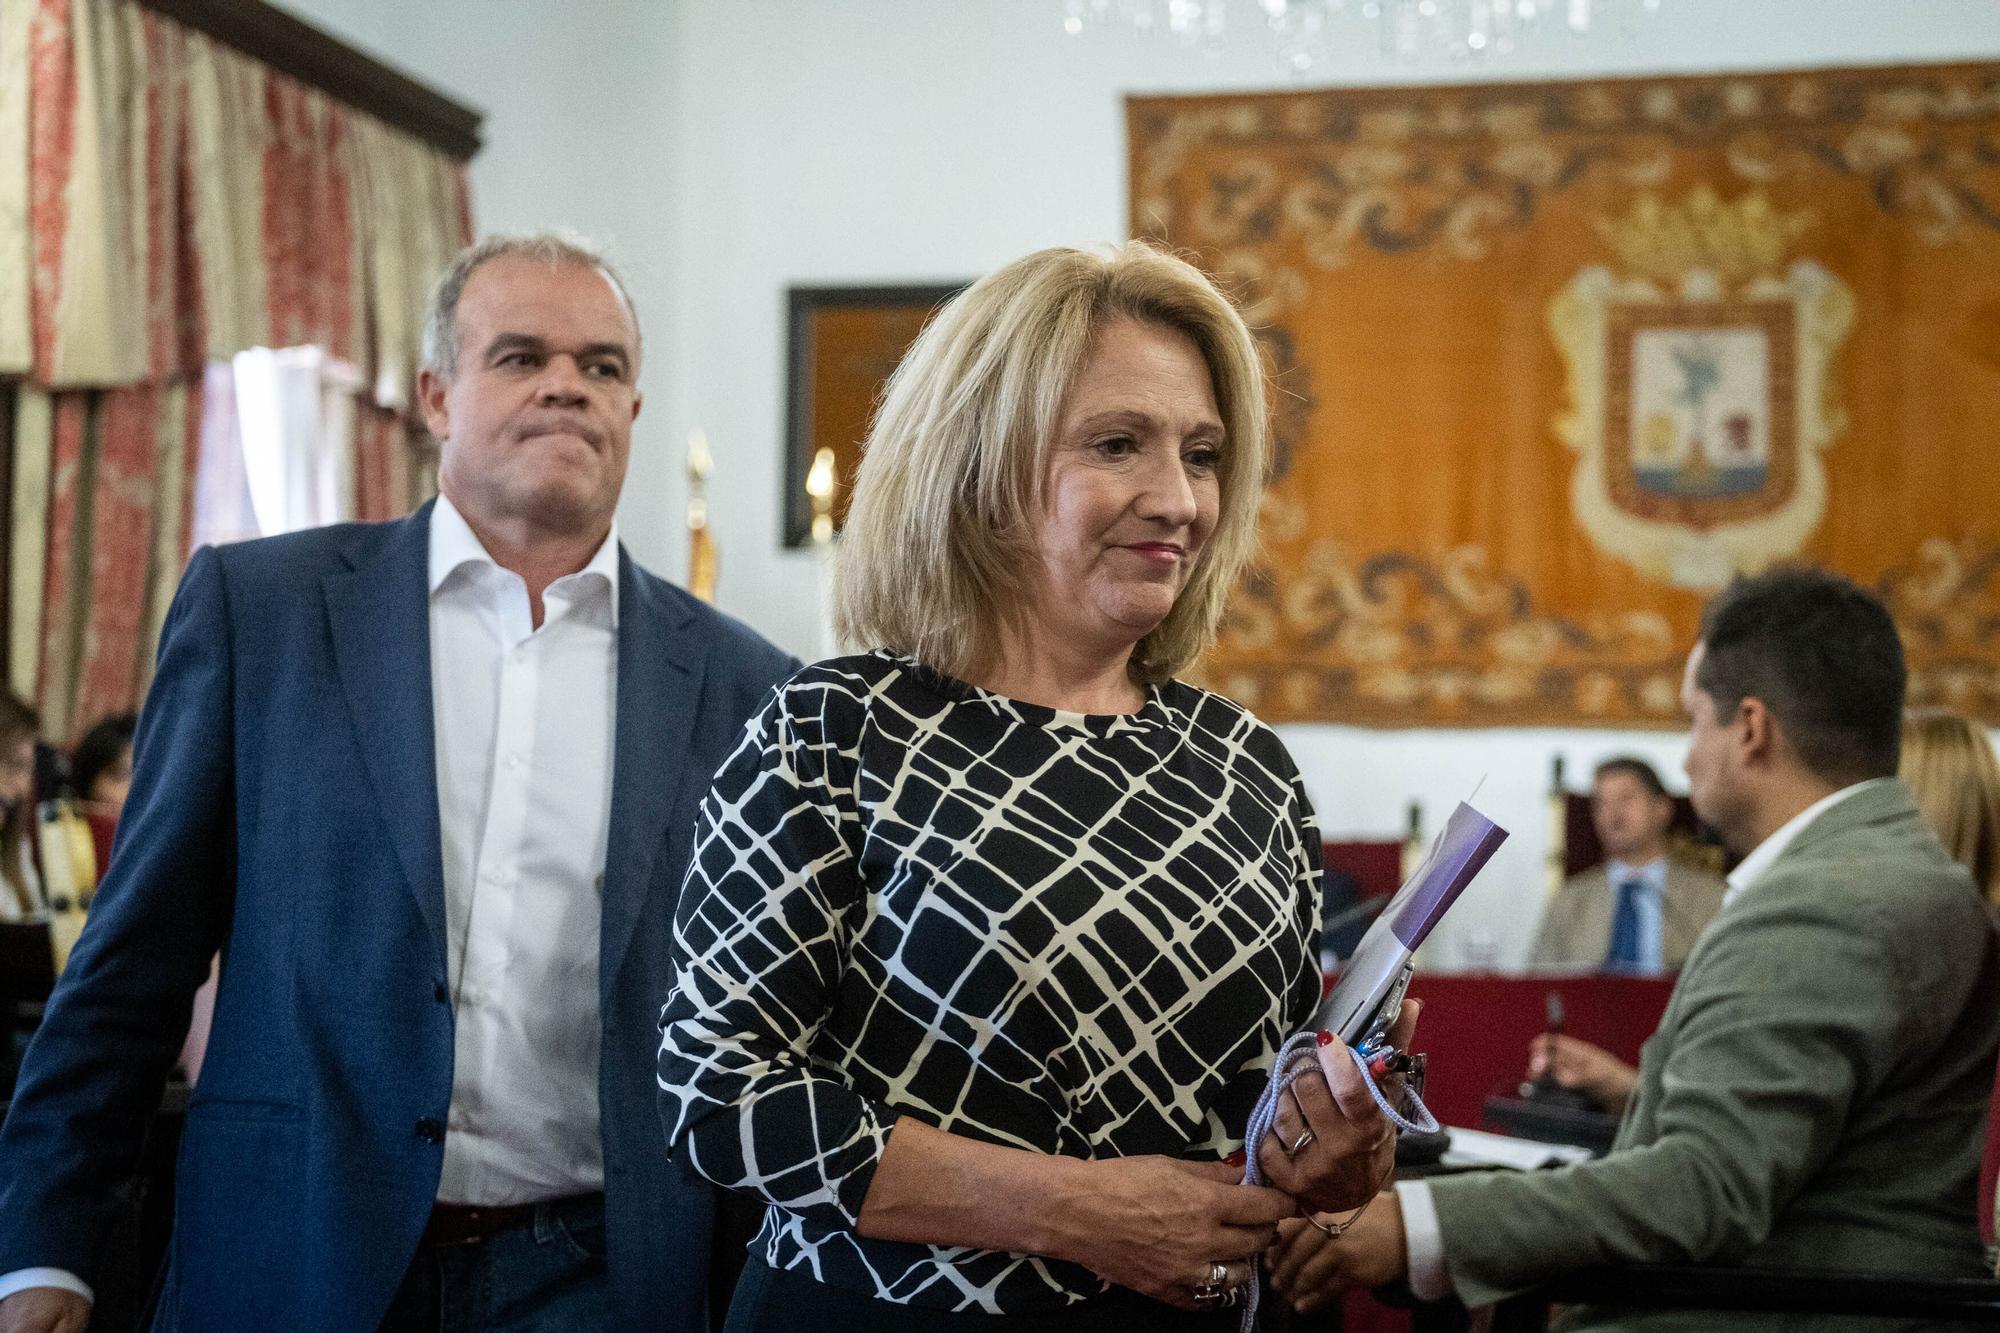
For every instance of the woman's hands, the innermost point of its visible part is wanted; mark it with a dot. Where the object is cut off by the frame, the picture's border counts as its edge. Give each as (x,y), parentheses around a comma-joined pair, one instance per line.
(1349,1146)
(1158,1224)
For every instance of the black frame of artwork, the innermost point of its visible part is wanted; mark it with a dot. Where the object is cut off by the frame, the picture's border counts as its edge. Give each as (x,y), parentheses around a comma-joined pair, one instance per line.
(804,356)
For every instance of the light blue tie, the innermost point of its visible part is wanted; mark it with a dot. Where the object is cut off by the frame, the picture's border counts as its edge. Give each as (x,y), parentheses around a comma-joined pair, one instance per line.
(1624,954)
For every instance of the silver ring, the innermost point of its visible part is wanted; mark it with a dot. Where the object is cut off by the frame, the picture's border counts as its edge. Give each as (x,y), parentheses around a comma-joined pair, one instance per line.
(1217,1285)
(1301,1143)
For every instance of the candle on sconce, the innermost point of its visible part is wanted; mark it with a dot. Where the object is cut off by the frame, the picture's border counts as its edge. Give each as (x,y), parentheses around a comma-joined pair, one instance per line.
(701,544)
(820,485)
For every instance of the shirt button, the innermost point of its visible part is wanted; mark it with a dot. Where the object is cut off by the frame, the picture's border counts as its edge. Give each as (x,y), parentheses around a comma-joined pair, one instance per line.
(513,761)
(430,1129)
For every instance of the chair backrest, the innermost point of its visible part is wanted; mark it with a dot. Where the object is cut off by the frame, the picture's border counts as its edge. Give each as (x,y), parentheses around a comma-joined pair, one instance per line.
(1686,837)
(103,829)
(1375,864)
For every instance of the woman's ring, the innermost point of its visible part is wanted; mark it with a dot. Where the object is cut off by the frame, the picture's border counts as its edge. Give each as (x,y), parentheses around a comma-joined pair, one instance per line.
(1301,1143)
(1217,1288)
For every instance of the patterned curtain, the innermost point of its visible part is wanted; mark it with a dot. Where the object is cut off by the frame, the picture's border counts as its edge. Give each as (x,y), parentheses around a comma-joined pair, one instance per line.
(165,203)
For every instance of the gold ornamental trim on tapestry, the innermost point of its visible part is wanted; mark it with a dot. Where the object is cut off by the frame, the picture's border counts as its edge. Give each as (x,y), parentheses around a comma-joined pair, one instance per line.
(1555,361)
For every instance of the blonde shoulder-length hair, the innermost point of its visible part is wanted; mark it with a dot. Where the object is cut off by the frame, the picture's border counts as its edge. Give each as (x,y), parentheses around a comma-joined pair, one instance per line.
(939,531)
(1949,767)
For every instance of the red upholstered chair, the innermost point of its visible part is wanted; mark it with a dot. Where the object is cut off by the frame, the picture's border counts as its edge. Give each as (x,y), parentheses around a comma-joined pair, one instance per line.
(103,828)
(1377,864)
(1685,837)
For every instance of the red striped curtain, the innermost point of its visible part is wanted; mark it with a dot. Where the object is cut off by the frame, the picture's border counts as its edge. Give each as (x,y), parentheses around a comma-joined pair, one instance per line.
(166,202)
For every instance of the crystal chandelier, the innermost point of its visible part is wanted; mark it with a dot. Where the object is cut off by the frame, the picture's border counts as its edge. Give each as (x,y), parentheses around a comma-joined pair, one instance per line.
(1302,31)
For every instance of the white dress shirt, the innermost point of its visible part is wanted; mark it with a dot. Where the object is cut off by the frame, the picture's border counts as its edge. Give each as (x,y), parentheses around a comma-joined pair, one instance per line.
(524,724)
(1423,1239)
(524,721)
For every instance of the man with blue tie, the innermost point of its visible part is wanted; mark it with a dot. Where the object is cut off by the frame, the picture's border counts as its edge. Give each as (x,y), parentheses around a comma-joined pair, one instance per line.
(428,787)
(1641,911)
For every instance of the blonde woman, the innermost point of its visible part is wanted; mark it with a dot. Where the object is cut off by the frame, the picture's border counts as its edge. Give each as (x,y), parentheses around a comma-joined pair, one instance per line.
(20,887)
(991,933)
(1949,767)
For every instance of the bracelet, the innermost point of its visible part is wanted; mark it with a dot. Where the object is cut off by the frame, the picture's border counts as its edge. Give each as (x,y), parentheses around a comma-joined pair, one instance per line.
(1334,1229)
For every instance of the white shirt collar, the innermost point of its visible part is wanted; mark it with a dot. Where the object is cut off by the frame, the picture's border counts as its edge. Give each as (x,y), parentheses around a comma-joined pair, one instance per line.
(1752,867)
(453,545)
(1653,873)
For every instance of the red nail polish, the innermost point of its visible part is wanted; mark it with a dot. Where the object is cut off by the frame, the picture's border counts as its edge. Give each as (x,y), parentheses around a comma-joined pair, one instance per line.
(1236,1158)
(1326,1039)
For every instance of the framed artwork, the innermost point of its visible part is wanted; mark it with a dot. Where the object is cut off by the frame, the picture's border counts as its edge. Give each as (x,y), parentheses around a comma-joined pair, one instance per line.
(844,344)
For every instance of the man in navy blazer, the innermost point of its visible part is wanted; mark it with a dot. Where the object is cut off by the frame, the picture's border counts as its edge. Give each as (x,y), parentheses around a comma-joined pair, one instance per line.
(427,786)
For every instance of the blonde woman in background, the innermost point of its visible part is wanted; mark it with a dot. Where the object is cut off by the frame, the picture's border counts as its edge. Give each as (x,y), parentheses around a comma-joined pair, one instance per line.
(20,887)
(1949,767)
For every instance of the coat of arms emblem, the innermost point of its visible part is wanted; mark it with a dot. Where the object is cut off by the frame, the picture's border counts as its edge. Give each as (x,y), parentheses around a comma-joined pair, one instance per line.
(1699,392)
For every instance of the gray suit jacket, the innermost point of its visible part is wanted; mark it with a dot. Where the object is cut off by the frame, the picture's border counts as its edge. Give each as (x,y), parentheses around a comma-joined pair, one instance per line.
(1576,928)
(1813,1098)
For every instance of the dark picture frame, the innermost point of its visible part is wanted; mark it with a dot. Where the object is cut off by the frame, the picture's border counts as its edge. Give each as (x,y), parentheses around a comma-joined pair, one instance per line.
(843,343)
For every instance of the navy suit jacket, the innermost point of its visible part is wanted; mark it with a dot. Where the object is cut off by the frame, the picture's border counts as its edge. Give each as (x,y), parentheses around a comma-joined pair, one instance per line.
(284,810)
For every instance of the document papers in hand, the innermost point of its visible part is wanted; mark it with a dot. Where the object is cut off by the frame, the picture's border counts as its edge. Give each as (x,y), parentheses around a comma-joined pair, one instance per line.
(1371,985)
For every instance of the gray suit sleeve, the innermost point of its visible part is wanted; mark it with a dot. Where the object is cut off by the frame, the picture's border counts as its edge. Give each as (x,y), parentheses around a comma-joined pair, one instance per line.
(1765,1059)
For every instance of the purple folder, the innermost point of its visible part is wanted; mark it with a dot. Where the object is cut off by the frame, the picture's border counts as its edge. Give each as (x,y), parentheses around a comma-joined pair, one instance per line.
(1371,984)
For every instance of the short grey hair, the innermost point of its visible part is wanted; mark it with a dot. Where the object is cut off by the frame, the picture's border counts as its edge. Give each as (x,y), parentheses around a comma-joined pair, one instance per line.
(552,248)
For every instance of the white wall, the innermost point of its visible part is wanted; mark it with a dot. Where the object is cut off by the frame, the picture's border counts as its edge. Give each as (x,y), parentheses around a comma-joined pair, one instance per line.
(731,148)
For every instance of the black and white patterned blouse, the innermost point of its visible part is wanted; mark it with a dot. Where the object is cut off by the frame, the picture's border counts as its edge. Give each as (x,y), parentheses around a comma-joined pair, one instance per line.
(1075,934)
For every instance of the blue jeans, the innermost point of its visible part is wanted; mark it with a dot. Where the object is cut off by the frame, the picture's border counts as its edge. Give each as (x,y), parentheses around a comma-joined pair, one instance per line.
(544,1276)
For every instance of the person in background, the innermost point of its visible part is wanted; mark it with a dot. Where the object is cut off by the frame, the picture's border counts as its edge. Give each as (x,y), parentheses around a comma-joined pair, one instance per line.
(991,934)
(1642,910)
(101,767)
(20,886)
(1814,1096)
(427,786)
(1949,767)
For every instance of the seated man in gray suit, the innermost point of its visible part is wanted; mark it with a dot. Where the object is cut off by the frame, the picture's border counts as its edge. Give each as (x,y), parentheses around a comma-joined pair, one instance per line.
(1814,1096)
(1641,910)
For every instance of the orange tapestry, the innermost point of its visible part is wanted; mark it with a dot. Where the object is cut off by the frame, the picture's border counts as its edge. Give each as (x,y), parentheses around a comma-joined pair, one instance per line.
(1556,360)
